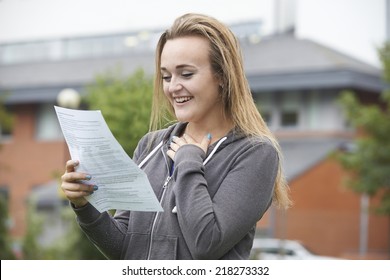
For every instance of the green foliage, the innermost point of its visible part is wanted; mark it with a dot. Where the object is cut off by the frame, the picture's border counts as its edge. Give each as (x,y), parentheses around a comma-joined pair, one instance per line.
(370,160)
(5,241)
(125,103)
(30,247)
(6,119)
(72,245)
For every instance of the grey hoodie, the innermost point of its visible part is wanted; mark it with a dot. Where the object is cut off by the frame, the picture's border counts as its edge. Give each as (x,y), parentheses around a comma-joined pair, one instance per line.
(210,211)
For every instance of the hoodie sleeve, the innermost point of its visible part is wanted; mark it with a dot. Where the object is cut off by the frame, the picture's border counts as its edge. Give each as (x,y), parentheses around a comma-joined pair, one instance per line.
(211,227)
(107,232)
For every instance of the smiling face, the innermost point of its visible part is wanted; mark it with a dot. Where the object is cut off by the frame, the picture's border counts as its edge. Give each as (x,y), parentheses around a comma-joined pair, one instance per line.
(189,82)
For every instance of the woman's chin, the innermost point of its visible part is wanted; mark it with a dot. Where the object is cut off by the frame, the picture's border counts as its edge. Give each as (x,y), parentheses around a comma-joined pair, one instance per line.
(182,118)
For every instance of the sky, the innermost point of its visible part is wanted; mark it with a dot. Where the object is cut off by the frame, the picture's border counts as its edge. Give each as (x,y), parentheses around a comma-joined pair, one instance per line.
(356,27)
(46,18)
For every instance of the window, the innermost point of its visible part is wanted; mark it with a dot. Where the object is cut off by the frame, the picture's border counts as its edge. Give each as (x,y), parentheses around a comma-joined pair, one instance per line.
(4,192)
(289,113)
(265,105)
(280,110)
(289,118)
(266,116)
(30,52)
(47,126)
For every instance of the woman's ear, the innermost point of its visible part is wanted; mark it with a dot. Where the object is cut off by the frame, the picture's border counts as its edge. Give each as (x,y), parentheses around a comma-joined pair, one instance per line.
(220,81)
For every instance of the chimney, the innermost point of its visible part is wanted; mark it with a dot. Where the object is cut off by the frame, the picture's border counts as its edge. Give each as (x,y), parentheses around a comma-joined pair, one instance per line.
(284,16)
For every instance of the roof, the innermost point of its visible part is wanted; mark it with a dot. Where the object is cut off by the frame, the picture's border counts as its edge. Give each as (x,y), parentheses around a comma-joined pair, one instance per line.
(286,62)
(287,53)
(276,63)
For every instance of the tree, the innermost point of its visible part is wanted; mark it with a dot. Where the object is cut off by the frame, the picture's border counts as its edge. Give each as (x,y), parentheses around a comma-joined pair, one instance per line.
(31,249)
(73,244)
(370,159)
(5,248)
(125,102)
(6,119)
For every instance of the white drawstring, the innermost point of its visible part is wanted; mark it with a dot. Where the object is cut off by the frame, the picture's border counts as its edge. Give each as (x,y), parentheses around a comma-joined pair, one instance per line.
(214,150)
(174,210)
(161,143)
(150,154)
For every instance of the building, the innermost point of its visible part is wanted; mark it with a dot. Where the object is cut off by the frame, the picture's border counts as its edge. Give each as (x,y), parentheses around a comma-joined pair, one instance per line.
(297,87)
(295,83)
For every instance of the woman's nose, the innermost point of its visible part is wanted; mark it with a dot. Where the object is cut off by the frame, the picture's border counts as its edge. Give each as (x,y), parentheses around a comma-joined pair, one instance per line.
(174,85)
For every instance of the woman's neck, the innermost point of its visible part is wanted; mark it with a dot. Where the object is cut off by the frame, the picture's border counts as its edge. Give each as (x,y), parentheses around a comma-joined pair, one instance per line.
(217,130)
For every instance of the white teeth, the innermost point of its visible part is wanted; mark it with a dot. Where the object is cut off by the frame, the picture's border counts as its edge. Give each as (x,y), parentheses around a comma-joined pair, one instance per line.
(182,99)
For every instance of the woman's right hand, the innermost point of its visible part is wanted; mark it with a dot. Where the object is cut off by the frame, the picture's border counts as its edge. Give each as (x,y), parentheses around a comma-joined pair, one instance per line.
(74,189)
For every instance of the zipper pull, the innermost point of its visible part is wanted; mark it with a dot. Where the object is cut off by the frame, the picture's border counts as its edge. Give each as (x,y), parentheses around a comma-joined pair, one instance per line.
(166,181)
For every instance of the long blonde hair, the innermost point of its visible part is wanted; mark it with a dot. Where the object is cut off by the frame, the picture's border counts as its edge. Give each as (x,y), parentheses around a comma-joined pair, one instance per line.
(226,61)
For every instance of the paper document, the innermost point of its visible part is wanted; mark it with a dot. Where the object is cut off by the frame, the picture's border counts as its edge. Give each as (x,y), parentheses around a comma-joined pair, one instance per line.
(122,184)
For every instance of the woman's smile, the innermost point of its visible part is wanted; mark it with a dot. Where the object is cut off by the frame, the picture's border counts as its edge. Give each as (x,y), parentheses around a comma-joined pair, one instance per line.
(182,99)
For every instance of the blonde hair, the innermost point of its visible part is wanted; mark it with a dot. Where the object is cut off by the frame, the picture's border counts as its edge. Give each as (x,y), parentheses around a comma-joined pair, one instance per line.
(226,62)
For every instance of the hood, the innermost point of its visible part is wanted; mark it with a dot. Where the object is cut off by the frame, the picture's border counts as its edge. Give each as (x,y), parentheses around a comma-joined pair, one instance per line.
(177,129)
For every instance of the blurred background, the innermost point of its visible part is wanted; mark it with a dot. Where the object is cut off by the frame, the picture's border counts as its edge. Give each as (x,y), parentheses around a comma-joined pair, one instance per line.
(318,74)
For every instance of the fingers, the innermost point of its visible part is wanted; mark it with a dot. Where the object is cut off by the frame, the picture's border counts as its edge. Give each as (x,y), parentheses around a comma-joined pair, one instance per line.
(77,190)
(75,184)
(171,154)
(205,142)
(75,176)
(180,141)
(70,175)
(71,165)
(177,142)
(173,147)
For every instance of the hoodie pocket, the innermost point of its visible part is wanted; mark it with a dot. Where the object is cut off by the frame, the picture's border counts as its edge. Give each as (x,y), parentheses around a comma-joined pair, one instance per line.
(164,248)
(136,247)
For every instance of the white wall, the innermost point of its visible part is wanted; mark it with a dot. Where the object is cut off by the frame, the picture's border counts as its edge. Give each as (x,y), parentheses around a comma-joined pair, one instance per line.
(318,111)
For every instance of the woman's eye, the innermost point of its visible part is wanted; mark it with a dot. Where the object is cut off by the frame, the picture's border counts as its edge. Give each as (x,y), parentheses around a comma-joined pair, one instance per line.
(166,78)
(187,75)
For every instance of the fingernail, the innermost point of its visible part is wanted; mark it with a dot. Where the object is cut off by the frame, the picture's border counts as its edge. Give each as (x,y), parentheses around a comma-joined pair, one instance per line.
(75,163)
(209,136)
(88,177)
(95,188)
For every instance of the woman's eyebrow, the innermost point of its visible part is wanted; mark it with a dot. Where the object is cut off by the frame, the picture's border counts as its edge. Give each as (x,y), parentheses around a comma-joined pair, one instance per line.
(180,66)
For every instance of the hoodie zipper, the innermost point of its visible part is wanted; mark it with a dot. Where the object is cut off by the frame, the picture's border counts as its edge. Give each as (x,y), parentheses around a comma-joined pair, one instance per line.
(165,187)
(157,214)
(155,218)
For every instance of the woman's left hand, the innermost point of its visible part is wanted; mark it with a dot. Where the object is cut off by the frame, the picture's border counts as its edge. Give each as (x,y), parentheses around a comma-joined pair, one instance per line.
(178,142)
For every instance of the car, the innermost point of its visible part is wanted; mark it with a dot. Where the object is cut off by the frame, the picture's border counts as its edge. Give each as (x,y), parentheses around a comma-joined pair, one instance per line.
(281,249)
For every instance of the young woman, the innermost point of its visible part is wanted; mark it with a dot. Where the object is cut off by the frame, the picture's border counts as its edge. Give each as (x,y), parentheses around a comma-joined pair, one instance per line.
(216,170)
